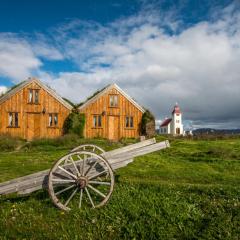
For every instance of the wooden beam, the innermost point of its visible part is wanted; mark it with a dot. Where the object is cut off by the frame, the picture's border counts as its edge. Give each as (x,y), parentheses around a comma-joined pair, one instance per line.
(128,148)
(117,158)
(108,155)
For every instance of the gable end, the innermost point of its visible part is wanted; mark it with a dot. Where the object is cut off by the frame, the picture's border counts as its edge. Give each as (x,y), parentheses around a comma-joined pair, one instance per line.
(107,89)
(24,84)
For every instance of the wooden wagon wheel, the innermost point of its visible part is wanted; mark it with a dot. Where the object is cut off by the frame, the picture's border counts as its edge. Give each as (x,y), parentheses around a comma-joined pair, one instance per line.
(87,179)
(89,148)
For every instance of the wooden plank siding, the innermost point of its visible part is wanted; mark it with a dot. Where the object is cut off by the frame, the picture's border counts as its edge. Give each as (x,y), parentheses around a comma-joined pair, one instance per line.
(113,118)
(33,118)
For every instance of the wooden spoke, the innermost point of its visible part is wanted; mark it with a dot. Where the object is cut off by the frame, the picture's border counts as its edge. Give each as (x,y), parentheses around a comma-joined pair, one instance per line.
(61,176)
(67,172)
(70,198)
(80,198)
(91,167)
(97,175)
(63,180)
(100,183)
(80,168)
(83,164)
(97,191)
(76,169)
(99,178)
(90,197)
(65,189)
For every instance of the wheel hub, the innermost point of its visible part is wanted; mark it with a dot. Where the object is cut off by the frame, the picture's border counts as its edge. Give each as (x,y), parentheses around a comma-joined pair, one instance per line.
(82,182)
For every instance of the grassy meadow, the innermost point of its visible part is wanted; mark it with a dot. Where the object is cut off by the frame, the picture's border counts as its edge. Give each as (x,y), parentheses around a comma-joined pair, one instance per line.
(189,191)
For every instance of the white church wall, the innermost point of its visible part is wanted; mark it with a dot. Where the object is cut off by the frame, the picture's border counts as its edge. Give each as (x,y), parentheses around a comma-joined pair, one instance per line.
(175,127)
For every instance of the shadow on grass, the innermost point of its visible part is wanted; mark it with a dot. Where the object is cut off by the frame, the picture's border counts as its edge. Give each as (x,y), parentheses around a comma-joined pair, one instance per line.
(40,195)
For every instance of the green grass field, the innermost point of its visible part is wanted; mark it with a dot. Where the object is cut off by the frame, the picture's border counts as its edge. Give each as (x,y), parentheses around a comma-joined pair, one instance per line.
(190,191)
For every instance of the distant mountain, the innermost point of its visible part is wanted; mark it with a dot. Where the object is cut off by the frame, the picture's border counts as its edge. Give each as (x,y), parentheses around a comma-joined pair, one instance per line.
(215,131)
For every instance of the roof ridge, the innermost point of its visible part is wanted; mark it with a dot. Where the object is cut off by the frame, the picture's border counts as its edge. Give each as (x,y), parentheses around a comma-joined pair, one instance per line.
(24,83)
(108,87)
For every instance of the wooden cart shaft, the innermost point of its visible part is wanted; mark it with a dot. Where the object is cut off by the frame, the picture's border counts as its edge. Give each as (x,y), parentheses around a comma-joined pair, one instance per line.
(117,158)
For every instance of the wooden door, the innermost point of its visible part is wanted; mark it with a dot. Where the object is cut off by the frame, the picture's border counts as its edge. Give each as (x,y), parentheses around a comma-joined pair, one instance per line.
(33,125)
(177,130)
(113,128)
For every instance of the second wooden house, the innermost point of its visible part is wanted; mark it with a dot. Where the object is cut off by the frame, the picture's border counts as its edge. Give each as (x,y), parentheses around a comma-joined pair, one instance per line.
(112,114)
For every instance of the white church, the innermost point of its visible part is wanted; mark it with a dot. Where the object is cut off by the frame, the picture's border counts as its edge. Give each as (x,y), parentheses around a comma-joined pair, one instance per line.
(173,125)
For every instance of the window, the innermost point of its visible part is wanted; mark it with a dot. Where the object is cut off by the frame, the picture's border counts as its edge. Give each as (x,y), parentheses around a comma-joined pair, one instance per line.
(53,120)
(177,121)
(30,96)
(13,119)
(33,96)
(113,100)
(36,96)
(129,122)
(97,121)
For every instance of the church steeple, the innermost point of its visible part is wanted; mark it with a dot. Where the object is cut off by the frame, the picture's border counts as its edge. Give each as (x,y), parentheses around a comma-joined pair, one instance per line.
(176,109)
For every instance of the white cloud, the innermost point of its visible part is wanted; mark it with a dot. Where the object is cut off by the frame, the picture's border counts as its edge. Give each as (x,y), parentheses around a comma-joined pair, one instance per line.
(17,60)
(43,47)
(20,56)
(47,51)
(3,89)
(197,66)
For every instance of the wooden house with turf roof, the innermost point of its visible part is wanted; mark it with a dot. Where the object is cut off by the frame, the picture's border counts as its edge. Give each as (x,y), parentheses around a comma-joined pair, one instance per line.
(33,110)
(113,114)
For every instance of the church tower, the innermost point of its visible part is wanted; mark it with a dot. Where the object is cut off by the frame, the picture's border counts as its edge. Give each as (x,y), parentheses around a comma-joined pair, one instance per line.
(176,123)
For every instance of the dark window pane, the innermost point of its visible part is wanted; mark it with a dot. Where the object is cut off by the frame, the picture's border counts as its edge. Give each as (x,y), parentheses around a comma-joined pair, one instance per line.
(16,119)
(131,121)
(127,122)
(99,121)
(94,121)
(36,96)
(56,120)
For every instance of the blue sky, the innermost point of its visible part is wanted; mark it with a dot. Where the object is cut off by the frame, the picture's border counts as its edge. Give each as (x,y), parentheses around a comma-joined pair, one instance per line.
(29,16)
(160,52)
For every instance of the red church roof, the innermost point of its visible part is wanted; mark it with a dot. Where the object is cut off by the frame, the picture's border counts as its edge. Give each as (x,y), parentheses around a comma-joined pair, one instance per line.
(176,109)
(166,122)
